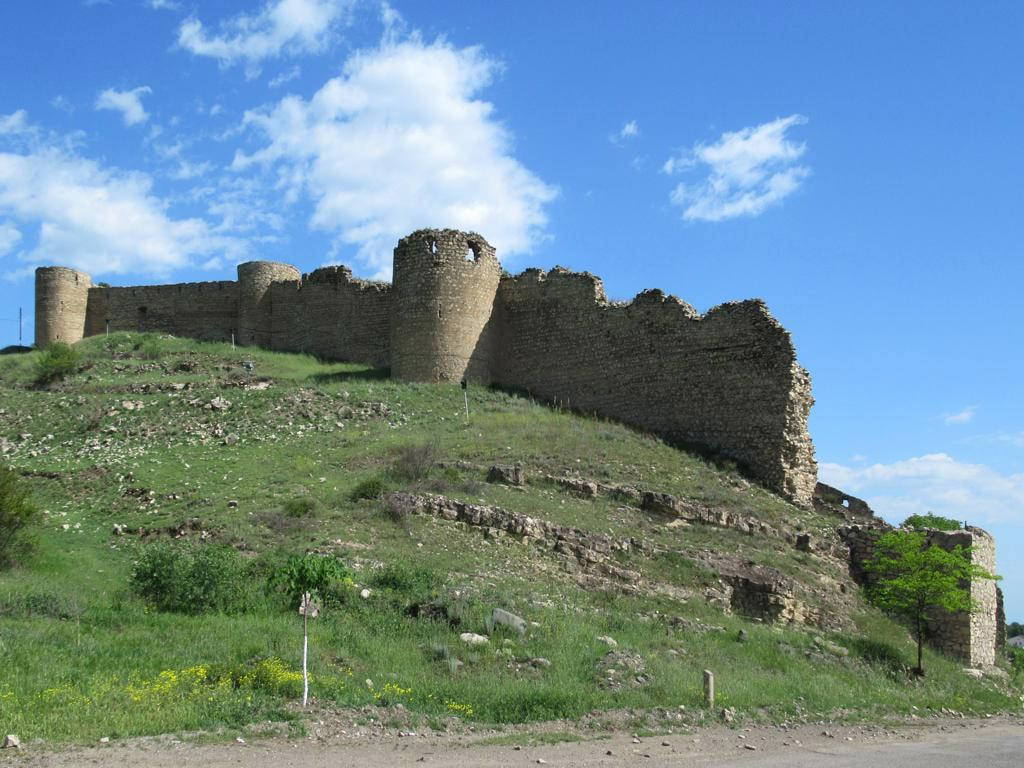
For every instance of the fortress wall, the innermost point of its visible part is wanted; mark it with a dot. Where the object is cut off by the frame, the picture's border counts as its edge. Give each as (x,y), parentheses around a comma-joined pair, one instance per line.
(196,310)
(442,304)
(333,315)
(728,381)
(255,305)
(62,296)
(971,637)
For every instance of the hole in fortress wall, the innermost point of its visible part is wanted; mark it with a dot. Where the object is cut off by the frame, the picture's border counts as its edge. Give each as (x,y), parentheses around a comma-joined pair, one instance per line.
(472,251)
(433,246)
(846,503)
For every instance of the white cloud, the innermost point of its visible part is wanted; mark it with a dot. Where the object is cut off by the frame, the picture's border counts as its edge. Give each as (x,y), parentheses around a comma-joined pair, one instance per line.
(61,102)
(961,417)
(400,141)
(16,122)
(747,171)
(282,27)
(285,77)
(935,482)
(164,5)
(102,220)
(128,103)
(10,236)
(628,131)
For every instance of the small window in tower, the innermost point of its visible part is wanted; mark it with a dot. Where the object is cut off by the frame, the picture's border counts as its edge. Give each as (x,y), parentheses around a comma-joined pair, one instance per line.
(472,251)
(142,310)
(433,246)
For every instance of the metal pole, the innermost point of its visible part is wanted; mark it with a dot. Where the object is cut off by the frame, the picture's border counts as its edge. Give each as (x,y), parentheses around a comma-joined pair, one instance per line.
(19,326)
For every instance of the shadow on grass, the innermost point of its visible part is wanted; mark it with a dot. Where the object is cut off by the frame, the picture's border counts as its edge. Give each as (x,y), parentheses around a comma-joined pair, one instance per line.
(366,374)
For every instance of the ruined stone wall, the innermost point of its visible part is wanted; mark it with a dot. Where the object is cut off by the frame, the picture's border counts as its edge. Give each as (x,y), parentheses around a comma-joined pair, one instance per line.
(973,637)
(333,315)
(255,305)
(727,381)
(441,307)
(206,311)
(62,297)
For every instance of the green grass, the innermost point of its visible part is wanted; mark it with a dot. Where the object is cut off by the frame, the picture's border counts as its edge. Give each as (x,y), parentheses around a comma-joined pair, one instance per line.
(289,467)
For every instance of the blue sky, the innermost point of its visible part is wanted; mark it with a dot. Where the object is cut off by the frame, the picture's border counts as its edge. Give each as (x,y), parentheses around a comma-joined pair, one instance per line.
(858,166)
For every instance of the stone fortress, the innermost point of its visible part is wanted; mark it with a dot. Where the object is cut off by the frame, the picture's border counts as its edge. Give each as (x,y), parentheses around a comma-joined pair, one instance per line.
(727,382)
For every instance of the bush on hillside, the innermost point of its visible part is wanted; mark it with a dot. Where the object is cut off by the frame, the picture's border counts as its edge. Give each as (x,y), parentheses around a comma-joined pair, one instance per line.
(193,579)
(414,462)
(321,575)
(301,506)
(935,522)
(880,654)
(370,488)
(57,361)
(17,512)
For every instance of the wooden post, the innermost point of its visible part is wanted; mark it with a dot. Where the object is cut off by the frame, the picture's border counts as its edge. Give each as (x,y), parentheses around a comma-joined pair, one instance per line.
(709,688)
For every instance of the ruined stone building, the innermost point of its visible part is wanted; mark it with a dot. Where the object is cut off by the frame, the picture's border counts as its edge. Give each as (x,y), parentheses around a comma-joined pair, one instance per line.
(727,382)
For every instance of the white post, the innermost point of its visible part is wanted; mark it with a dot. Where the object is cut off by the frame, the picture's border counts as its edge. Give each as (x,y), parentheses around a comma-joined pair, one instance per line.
(232,339)
(465,394)
(305,648)
(709,689)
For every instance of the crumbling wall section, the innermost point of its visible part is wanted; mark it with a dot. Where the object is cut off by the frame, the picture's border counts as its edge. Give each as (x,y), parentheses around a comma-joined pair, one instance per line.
(207,311)
(969,636)
(727,382)
(333,315)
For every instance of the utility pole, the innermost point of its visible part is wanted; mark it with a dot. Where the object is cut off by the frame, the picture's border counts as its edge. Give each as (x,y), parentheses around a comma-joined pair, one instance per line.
(20,324)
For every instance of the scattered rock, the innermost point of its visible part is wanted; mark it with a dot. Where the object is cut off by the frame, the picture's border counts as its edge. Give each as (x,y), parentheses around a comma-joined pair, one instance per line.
(620,669)
(503,618)
(230,439)
(977,674)
(365,594)
(509,474)
(232,503)
(219,404)
(728,715)
(804,542)
(471,638)
(12,742)
(611,642)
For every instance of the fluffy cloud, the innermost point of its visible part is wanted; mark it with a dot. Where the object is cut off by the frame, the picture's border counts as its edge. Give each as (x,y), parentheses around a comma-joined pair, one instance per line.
(16,122)
(164,5)
(281,27)
(935,482)
(961,417)
(99,219)
(400,141)
(747,171)
(10,236)
(128,103)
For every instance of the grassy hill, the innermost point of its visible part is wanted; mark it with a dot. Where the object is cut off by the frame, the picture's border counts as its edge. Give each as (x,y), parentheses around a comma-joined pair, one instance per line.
(164,448)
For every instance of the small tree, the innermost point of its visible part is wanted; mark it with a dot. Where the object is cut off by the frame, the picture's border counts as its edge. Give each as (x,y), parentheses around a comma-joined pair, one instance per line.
(16,512)
(916,578)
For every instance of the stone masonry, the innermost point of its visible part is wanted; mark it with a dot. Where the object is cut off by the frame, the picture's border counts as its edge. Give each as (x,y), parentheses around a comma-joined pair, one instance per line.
(727,382)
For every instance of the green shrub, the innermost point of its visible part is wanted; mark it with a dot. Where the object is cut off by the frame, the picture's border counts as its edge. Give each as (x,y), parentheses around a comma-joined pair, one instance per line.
(17,512)
(407,582)
(302,506)
(414,462)
(193,579)
(370,488)
(323,575)
(936,522)
(150,348)
(56,362)
(879,653)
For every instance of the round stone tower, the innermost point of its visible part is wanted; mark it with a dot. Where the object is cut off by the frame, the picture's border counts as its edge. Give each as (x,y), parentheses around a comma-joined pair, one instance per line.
(62,296)
(441,303)
(255,316)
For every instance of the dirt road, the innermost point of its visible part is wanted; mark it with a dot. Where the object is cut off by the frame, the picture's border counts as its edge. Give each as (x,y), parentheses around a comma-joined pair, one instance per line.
(992,743)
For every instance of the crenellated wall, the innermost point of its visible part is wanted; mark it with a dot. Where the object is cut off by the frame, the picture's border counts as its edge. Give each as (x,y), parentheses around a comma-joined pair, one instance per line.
(206,311)
(727,382)
(333,315)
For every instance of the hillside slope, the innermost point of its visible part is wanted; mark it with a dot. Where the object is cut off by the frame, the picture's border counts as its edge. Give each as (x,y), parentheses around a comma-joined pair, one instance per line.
(636,565)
